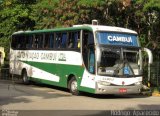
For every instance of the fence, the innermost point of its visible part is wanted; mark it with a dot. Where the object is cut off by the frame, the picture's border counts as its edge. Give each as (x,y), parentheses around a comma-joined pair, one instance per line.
(4,74)
(155,74)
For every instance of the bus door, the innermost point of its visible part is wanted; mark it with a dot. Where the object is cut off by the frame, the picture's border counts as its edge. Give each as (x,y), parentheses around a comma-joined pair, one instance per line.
(91,60)
(88,51)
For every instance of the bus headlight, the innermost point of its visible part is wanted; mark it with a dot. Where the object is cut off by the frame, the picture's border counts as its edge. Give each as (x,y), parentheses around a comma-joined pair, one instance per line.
(104,83)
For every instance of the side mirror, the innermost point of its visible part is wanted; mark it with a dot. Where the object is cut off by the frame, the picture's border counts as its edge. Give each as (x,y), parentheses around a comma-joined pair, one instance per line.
(150,56)
(150,61)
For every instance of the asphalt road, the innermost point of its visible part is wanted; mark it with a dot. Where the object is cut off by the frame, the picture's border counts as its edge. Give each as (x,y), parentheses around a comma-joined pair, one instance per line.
(36,97)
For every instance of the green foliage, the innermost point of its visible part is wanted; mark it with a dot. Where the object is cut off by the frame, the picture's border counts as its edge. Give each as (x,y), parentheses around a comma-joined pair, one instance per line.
(148,14)
(62,13)
(14,16)
(152,5)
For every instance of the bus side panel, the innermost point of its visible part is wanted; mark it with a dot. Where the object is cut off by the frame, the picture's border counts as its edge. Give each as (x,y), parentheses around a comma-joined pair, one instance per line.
(12,61)
(87,83)
(53,74)
(15,62)
(42,71)
(65,70)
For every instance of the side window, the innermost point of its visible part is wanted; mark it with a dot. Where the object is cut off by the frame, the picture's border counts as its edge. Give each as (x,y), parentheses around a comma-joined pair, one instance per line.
(51,41)
(71,40)
(38,41)
(74,40)
(90,38)
(61,40)
(48,41)
(23,42)
(77,39)
(29,41)
(14,42)
(18,42)
(35,42)
(58,40)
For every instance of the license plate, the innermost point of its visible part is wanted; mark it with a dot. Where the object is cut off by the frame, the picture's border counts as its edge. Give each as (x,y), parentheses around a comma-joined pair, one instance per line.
(122,90)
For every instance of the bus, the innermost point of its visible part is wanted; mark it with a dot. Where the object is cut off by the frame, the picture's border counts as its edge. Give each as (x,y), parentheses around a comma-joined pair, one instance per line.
(89,58)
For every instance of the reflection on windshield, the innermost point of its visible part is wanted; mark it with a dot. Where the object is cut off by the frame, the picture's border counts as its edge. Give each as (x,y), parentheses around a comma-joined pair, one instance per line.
(119,62)
(110,56)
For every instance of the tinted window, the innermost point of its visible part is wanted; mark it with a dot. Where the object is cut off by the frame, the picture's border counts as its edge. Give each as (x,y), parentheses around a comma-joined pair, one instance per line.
(49,41)
(29,41)
(18,42)
(38,41)
(74,40)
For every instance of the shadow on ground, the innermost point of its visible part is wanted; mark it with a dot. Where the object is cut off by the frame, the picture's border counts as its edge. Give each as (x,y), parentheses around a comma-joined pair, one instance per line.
(16,92)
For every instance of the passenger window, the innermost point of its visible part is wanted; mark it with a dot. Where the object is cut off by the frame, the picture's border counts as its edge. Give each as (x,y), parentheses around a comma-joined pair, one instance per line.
(48,41)
(77,39)
(51,41)
(74,40)
(38,41)
(71,40)
(63,40)
(58,40)
(19,42)
(14,42)
(29,41)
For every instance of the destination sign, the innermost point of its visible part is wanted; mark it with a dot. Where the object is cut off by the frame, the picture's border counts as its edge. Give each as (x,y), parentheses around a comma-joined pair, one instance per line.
(117,39)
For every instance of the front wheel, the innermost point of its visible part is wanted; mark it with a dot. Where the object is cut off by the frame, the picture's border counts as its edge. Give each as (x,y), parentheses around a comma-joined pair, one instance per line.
(73,86)
(25,77)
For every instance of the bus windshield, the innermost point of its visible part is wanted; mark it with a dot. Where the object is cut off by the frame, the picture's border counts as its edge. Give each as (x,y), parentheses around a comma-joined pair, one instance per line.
(119,54)
(119,62)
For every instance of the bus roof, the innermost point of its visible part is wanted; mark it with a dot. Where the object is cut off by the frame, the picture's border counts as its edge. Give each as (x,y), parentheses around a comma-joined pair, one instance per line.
(52,30)
(107,28)
(79,27)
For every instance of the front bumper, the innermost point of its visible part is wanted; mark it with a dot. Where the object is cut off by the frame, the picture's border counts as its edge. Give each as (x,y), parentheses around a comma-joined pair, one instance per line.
(123,89)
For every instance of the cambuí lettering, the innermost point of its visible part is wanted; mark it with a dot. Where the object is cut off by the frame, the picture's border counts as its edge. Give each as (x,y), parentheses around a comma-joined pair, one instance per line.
(120,39)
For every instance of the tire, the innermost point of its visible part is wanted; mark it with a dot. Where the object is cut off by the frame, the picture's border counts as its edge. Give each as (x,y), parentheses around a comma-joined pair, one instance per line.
(25,79)
(73,86)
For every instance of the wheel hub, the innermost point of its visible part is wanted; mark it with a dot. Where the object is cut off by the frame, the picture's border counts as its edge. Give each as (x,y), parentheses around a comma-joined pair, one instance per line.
(74,86)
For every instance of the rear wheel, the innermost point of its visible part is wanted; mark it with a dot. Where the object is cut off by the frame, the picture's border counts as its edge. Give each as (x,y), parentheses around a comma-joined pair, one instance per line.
(25,79)
(73,86)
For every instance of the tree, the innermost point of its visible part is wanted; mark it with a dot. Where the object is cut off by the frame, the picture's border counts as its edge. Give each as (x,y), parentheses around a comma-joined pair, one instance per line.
(14,16)
(152,11)
(56,13)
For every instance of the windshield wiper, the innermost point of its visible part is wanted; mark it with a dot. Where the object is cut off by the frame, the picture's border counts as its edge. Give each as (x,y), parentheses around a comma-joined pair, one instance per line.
(116,71)
(119,67)
(126,61)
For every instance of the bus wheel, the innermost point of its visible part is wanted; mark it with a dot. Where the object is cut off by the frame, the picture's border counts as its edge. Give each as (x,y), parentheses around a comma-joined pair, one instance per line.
(25,77)
(73,86)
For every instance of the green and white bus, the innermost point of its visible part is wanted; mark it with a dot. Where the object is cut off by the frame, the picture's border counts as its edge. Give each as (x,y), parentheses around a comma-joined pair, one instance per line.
(90,58)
